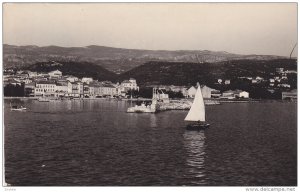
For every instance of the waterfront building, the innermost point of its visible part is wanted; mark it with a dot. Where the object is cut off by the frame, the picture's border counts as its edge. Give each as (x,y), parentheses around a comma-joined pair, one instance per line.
(206,91)
(231,94)
(108,90)
(130,84)
(159,94)
(228,94)
(285,85)
(77,89)
(215,94)
(191,92)
(243,94)
(63,88)
(86,90)
(292,95)
(45,89)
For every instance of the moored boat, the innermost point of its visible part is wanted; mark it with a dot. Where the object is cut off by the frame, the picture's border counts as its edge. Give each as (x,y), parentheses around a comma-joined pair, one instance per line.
(17,108)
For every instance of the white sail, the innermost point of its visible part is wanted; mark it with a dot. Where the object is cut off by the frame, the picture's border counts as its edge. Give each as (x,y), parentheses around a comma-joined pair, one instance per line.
(197,111)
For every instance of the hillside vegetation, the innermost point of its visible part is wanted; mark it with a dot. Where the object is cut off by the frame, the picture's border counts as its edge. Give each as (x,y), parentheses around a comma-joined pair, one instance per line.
(118,60)
(171,73)
(78,69)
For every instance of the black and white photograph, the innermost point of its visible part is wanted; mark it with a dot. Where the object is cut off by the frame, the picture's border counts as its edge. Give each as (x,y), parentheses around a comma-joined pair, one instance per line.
(150,94)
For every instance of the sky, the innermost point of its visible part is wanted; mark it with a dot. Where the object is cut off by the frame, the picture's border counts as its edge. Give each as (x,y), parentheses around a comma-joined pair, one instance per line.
(243,28)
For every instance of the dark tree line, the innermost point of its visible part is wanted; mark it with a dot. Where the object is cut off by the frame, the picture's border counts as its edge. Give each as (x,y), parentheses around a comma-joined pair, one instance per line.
(11,90)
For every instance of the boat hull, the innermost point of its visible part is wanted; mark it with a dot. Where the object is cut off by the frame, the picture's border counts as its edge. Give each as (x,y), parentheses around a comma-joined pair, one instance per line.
(197,126)
(18,109)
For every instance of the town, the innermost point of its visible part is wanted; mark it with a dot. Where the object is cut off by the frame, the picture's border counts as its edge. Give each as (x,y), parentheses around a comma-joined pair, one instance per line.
(55,85)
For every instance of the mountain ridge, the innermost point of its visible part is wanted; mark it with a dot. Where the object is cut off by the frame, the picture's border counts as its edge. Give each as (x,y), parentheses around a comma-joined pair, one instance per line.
(117,60)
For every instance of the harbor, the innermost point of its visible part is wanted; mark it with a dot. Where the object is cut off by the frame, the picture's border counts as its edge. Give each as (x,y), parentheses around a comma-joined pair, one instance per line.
(96,142)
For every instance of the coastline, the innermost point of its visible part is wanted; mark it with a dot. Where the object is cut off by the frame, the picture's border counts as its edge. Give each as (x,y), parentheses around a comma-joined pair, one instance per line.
(171,100)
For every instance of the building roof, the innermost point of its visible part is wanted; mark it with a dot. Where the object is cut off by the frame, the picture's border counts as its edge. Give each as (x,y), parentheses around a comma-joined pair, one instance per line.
(126,81)
(13,81)
(45,82)
(62,83)
(55,71)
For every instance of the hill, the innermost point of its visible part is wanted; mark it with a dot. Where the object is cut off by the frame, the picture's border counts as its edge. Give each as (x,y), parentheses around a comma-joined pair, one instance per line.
(179,73)
(78,69)
(117,60)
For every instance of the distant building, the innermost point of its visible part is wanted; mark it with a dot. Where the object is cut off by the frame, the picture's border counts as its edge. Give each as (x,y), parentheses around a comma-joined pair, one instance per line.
(191,92)
(32,74)
(259,79)
(104,90)
(207,91)
(291,71)
(227,82)
(55,74)
(71,78)
(220,81)
(243,94)
(279,70)
(284,85)
(230,94)
(127,85)
(289,95)
(87,80)
(254,81)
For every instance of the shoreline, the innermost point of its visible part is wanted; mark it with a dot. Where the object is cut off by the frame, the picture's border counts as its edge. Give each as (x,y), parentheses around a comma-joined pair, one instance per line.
(148,99)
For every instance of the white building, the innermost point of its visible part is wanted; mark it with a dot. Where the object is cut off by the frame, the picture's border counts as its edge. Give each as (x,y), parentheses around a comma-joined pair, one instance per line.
(227,82)
(63,88)
(243,94)
(77,89)
(71,78)
(55,74)
(191,92)
(45,89)
(32,74)
(129,85)
(206,91)
(87,80)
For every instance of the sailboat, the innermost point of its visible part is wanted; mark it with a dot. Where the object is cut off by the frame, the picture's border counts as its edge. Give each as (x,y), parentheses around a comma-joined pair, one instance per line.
(196,115)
